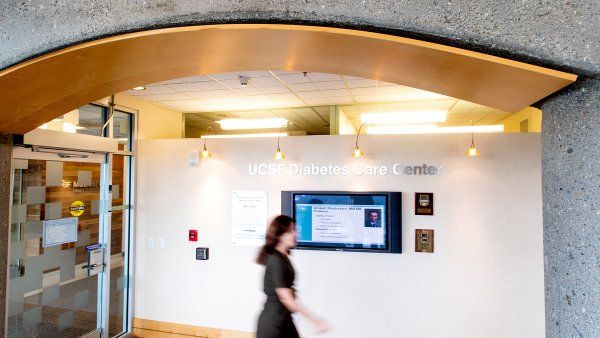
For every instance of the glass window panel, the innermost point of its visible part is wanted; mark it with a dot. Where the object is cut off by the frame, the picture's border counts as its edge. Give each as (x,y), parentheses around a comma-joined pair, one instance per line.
(87,120)
(120,225)
(49,292)
(122,123)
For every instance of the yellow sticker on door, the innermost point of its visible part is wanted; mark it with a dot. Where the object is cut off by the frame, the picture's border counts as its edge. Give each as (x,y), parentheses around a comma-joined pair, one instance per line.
(77,208)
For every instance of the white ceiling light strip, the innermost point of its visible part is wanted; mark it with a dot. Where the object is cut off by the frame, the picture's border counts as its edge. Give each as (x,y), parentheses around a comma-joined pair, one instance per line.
(245,135)
(405,117)
(432,129)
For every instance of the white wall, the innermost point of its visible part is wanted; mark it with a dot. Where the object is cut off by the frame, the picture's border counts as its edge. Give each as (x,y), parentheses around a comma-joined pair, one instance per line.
(484,280)
(155,122)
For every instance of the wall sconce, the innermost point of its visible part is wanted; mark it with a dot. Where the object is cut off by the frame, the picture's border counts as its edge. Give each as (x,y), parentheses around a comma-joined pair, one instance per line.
(472,151)
(357,151)
(279,155)
(205,153)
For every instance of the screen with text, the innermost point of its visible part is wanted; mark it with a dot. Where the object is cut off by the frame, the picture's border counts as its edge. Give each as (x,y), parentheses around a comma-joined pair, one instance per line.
(341,221)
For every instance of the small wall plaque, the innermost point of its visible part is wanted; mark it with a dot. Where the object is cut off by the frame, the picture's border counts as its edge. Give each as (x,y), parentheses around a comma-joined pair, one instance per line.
(424,240)
(424,203)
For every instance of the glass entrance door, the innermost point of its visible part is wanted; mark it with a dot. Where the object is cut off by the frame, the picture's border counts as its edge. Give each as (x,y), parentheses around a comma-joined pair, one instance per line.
(55,217)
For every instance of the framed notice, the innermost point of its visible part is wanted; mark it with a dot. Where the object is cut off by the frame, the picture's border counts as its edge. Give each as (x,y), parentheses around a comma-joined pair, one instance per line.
(249,217)
(59,231)
(424,240)
(424,203)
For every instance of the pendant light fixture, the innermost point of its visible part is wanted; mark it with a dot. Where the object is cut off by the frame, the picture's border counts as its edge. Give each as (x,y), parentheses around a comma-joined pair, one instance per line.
(205,153)
(279,155)
(472,151)
(357,152)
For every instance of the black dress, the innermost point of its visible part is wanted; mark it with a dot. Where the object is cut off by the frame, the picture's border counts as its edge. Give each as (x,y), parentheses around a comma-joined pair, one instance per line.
(276,321)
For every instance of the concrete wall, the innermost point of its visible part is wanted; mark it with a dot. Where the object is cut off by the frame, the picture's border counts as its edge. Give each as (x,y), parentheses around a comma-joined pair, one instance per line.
(571,183)
(565,33)
(484,280)
(5,197)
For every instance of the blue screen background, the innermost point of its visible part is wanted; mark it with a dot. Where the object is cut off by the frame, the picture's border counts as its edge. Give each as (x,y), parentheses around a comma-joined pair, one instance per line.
(303,215)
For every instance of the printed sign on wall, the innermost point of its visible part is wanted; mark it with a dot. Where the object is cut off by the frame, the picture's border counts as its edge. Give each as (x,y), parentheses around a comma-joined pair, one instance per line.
(59,231)
(249,219)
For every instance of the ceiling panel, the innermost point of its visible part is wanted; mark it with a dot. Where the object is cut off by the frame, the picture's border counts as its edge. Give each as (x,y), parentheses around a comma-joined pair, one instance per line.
(304,99)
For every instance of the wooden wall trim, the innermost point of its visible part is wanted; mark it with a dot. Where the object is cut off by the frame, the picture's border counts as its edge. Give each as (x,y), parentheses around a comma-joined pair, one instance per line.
(46,87)
(147,328)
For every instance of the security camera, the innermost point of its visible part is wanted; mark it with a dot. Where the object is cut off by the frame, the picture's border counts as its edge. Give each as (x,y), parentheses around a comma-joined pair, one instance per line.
(244,80)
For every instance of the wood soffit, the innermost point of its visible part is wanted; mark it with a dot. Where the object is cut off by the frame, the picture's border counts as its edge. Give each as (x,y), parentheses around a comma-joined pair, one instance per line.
(41,89)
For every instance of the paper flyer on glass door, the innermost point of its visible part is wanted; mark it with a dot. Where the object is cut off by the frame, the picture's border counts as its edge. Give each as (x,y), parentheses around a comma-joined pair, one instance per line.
(249,219)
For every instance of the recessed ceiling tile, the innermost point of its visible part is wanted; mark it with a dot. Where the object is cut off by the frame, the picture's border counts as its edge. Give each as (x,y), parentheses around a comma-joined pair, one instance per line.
(366,98)
(209,94)
(382,84)
(303,87)
(264,81)
(179,80)
(258,98)
(235,84)
(224,76)
(246,91)
(361,83)
(320,77)
(235,106)
(196,86)
(182,103)
(392,90)
(292,103)
(294,78)
(364,91)
(310,95)
(330,85)
(274,90)
(284,96)
(255,73)
(167,97)
(264,114)
(316,101)
(335,92)
(154,90)
(340,99)
(392,97)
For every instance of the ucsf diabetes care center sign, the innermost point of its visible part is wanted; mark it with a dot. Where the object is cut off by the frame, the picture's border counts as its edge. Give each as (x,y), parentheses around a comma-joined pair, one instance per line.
(296,169)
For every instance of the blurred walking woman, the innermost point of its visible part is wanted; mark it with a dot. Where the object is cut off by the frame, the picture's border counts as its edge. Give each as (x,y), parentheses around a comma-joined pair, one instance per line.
(275,321)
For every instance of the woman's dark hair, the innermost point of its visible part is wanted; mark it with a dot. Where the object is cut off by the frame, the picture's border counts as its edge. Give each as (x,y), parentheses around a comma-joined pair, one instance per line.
(280,225)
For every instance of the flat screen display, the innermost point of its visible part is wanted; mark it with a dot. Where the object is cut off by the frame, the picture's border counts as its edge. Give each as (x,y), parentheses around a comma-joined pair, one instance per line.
(351,221)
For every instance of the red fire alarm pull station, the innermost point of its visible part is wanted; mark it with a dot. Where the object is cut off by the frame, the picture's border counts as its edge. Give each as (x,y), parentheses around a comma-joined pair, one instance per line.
(193,236)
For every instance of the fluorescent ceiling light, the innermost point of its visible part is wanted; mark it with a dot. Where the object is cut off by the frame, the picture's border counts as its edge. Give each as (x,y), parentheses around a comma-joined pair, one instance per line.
(139,88)
(270,123)
(414,116)
(432,129)
(246,135)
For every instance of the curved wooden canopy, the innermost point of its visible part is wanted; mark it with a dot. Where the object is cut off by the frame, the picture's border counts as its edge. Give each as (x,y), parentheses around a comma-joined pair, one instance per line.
(46,87)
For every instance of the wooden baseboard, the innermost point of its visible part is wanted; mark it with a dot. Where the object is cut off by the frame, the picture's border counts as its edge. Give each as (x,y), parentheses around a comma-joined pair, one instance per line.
(146,328)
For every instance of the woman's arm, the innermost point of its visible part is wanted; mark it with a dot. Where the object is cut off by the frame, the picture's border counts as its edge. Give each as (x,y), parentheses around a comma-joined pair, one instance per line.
(287,298)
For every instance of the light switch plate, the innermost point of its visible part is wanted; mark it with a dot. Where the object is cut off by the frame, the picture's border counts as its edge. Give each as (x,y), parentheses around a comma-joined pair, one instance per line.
(195,157)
